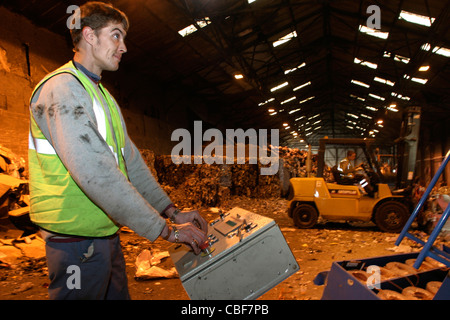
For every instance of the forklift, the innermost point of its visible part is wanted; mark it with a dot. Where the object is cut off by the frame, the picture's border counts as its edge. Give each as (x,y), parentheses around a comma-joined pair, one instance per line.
(313,197)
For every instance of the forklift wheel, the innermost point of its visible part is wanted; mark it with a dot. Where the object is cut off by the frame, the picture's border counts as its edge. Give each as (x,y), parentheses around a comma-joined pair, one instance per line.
(305,216)
(391,216)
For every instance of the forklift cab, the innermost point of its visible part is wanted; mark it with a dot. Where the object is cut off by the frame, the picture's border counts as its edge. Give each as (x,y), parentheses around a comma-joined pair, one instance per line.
(344,200)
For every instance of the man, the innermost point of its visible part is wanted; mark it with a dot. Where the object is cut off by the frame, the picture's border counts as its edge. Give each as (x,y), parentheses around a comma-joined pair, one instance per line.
(346,166)
(351,175)
(87,178)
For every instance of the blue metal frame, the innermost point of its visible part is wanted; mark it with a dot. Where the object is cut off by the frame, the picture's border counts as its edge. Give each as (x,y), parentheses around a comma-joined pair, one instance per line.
(428,249)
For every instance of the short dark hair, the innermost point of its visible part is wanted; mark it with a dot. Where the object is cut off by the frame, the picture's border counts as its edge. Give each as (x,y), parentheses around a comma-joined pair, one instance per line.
(350,153)
(97,15)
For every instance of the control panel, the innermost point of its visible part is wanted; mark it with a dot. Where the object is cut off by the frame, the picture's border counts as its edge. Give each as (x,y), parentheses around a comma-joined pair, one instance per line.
(245,256)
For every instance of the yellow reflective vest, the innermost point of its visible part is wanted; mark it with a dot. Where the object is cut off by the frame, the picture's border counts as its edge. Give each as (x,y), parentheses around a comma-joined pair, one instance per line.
(57,203)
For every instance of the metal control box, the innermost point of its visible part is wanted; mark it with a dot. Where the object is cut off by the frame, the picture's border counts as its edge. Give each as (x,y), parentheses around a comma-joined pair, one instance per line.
(248,255)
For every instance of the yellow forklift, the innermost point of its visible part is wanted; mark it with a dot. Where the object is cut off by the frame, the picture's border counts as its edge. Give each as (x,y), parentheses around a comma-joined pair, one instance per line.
(341,200)
(385,203)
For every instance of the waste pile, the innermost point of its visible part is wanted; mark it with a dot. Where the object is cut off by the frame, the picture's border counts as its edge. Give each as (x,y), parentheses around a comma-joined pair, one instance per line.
(213,184)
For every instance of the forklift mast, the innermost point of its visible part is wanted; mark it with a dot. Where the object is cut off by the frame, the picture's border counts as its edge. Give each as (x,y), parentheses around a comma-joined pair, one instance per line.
(407,147)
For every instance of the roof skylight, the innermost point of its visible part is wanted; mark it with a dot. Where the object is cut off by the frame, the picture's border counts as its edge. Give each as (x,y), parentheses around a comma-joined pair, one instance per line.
(397,57)
(192,28)
(438,50)
(373,32)
(365,63)
(416,18)
(415,79)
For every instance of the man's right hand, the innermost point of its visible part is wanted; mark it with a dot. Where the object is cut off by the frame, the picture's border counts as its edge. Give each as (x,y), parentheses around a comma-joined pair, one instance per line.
(186,233)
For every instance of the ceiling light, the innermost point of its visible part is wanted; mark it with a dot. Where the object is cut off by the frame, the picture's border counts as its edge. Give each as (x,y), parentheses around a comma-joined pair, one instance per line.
(284,84)
(373,32)
(295,68)
(285,124)
(392,107)
(359,83)
(397,95)
(238,76)
(416,18)
(381,80)
(376,97)
(285,38)
(302,86)
(357,98)
(271,110)
(307,99)
(267,101)
(424,68)
(353,115)
(371,108)
(288,100)
(366,116)
(293,111)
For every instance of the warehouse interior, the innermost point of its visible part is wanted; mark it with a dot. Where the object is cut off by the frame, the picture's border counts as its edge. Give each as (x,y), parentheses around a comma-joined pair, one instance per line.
(336,69)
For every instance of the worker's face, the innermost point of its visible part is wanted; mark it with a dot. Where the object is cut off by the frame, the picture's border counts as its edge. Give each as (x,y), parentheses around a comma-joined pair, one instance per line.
(352,157)
(108,47)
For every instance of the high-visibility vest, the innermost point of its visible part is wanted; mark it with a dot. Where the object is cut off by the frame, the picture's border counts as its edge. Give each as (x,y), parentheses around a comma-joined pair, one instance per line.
(57,203)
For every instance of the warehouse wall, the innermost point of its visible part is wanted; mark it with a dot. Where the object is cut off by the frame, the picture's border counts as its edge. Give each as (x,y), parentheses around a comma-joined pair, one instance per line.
(28,53)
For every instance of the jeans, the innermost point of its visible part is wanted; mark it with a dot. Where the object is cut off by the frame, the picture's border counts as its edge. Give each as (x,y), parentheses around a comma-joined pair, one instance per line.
(87,269)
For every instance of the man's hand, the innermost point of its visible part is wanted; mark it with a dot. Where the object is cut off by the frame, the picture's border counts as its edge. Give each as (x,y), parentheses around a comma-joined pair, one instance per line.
(188,216)
(191,228)
(185,233)
(193,217)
